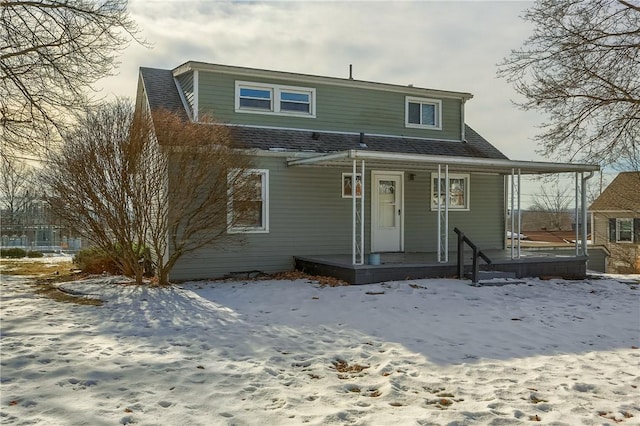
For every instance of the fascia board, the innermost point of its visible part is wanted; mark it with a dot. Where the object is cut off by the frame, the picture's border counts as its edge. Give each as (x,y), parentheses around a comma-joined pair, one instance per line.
(496,165)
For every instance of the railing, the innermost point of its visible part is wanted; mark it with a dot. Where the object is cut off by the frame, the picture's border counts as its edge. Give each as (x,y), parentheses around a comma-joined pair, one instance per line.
(477,253)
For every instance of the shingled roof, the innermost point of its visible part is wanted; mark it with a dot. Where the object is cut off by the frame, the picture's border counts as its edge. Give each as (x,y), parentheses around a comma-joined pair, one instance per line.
(325,142)
(623,194)
(161,91)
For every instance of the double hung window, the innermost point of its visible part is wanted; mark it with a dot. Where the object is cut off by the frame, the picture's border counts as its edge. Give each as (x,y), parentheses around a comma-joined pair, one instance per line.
(624,230)
(248,201)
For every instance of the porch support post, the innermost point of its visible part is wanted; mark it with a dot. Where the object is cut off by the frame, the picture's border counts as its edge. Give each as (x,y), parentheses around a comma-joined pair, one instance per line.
(447,195)
(584,213)
(443,215)
(519,215)
(513,212)
(516,225)
(439,221)
(357,215)
(353,214)
(362,211)
(576,213)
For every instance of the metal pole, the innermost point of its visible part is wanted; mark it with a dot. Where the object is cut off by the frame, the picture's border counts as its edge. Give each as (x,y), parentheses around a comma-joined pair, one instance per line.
(519,215)
(576,214)
(584,212)
(353,213)
(513,219)
(446,212)
(362,192)
(439,183)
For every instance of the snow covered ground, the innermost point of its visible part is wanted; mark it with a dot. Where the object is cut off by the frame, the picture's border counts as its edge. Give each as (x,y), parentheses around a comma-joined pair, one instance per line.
(425,352)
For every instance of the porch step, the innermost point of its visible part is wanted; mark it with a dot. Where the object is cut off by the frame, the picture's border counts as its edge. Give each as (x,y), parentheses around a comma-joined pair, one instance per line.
(490,275)
(497,278)
(497,282)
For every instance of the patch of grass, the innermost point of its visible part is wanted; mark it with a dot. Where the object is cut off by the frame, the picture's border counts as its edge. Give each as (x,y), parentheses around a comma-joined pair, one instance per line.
(35,267)
(48,275)
(343,366)
(47,288)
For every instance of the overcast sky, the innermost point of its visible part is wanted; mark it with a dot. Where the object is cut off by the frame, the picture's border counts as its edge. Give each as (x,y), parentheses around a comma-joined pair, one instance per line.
(452,45)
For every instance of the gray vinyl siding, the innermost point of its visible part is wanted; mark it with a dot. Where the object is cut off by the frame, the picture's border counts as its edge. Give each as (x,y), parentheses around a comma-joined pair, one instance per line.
(186,83)
(483,223)
(338,108)
(308,216)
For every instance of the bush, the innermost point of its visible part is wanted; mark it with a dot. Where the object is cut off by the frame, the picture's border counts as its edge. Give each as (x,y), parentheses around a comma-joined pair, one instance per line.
(34,254)
(13,253)
(95,261)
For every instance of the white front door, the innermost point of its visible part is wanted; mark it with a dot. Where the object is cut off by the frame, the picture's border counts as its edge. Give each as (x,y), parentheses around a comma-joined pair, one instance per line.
(386,211)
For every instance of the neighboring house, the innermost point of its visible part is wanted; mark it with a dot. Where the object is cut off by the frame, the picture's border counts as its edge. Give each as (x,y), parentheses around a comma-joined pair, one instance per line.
(418,170)
(34,227)
(616,222)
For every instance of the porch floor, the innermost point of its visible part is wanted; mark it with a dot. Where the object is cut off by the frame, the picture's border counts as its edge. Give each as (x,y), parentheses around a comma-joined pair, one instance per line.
(401,266)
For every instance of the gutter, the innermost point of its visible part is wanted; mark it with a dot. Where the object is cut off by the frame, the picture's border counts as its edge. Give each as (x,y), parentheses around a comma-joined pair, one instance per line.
(490,164)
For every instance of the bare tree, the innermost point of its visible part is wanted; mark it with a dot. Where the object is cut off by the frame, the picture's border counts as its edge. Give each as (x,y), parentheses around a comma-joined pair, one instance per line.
(624,259)
(87,184)
(17,192)
(580,67)
(51,52)
(553,206)
(190,171)
(132,183)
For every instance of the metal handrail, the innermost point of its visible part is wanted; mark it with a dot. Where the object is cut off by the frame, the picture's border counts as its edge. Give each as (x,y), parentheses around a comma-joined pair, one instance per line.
(477,253)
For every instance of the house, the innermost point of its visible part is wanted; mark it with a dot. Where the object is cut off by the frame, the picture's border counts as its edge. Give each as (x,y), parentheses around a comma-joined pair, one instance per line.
(419,171)
(616,222)
(33,226)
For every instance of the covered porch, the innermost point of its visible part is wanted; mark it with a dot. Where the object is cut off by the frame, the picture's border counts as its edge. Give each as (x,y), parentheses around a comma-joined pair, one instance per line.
(402,266)
(355,268)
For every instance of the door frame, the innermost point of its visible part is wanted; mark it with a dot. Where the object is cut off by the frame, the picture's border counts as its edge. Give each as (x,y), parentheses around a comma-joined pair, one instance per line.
(374,205)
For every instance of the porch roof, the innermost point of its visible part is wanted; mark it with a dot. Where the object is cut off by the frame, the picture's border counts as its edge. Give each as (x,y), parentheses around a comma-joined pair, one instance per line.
(427,162)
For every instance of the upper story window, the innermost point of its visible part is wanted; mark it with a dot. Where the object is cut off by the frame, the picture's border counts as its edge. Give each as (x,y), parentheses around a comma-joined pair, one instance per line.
(423,113)
(263,98)
(255,98)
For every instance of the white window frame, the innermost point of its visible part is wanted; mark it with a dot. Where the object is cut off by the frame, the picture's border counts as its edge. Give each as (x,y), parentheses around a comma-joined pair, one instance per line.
(467,191)
(264,227)
(423,101)
(618,240)
(276,91)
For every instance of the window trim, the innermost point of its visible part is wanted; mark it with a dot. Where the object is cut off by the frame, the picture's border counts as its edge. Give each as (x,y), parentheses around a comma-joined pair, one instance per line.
(264,228)
(276,92)
(438,116)
(467,195)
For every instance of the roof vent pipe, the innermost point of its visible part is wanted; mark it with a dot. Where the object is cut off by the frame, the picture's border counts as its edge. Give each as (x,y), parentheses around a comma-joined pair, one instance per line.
(350,71)
(362,144)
